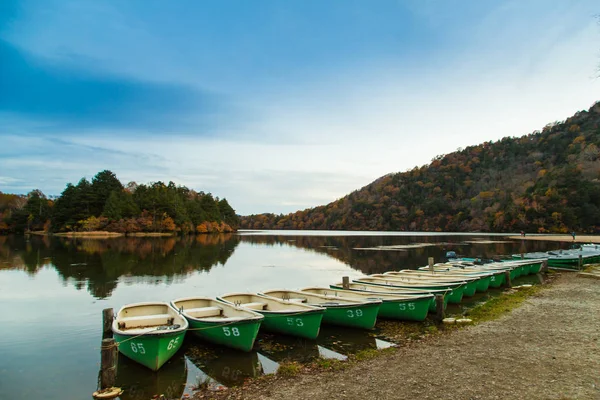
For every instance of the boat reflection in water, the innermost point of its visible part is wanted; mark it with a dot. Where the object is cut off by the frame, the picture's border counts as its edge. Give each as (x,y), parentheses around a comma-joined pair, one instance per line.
(227,366)
(288,348)
(139,383)
(350,341)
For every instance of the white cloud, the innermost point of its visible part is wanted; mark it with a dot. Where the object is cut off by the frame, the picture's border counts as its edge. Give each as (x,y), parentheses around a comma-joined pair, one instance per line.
(7,180)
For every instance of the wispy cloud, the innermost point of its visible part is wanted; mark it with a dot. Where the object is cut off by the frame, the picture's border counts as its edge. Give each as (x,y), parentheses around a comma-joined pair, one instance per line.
(49,163)
(65,99)
(7,180)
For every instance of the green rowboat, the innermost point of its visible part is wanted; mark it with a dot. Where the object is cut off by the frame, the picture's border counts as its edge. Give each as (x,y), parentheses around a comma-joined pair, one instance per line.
(338,311)
(218,322)
(393,306)
(279,316)
(484,283)
(423,276)
(454,296)
(397,291)
(535,268)
(149,333)
(497,269)
(496,277)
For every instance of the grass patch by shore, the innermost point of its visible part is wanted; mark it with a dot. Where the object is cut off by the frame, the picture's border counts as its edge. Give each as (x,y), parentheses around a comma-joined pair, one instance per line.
(289,368)
(499,306)
(328,364)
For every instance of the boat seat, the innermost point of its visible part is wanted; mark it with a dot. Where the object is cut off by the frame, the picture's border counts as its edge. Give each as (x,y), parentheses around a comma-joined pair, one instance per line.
(296,300)
(223,319)
(145,320)
(255,306)
(203,312)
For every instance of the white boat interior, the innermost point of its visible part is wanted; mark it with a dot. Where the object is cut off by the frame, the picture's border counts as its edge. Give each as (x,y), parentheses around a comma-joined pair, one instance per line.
(264,303)
(357,295)
(210,310)
(142,318)
(310,299)
(441,277)
(399,291)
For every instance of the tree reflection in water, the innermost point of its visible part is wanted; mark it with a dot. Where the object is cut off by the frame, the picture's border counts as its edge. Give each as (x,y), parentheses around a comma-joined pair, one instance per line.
(351,250)
(97,264)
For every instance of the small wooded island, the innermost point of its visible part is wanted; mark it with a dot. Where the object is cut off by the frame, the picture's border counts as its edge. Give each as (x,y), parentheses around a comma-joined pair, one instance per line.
(106,205)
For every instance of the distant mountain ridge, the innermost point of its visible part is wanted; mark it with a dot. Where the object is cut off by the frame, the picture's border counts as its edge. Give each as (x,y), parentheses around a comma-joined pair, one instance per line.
(547,181)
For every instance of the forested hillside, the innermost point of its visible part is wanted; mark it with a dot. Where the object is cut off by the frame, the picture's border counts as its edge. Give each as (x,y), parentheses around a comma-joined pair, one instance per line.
(105,204)
(547,181)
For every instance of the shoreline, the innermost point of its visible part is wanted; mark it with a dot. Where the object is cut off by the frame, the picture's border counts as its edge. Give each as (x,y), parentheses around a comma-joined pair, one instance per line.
(531,352)
(559,238)
(567,238)
(101,234)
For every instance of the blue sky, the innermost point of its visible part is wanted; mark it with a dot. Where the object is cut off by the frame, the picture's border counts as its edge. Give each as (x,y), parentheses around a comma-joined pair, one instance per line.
(278,105)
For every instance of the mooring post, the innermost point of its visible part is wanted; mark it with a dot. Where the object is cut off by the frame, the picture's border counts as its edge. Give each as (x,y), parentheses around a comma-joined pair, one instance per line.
(507,279)
(430,260)
(580,261)
(440,313)
(108,363)
(345,282)
(107,320)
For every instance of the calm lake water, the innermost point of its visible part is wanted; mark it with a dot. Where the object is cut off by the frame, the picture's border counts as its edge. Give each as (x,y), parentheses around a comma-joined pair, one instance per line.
(53,291)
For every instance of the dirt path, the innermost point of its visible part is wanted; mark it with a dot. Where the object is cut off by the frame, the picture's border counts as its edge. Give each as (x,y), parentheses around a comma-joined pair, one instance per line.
(549,348)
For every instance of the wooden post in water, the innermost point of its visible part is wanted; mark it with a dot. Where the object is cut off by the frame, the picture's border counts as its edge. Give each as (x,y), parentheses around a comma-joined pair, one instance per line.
(440,313)
(430,260)
(507,279)
(580,261)
(345,282)
(108,363)
(107,320)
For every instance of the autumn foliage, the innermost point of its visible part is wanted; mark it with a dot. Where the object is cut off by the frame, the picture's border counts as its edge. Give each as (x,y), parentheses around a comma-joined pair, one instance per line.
(104,204)
(547,181)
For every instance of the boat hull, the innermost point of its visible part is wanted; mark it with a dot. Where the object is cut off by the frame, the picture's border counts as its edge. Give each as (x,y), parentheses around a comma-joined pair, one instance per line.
(483,283)
(152,350)
(305,324)
(535,268)
(414,308)
(236,335)
(406,310)
(497,280)
(471,287)
(454,292)
(356,315)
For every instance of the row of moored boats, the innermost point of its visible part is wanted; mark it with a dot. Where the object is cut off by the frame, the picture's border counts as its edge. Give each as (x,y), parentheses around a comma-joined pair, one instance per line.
(570,259)
(151,333)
